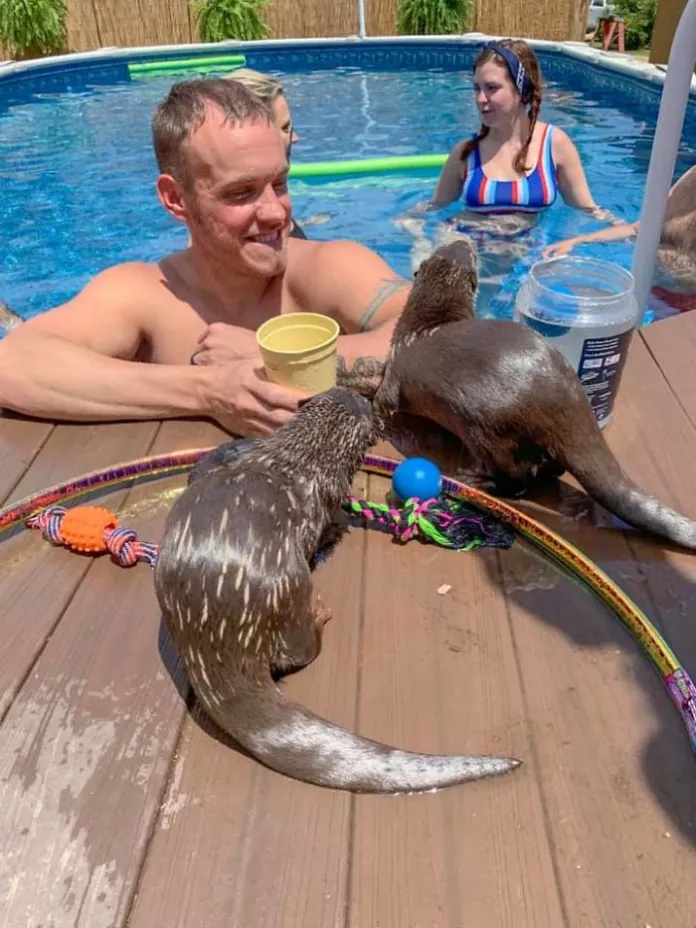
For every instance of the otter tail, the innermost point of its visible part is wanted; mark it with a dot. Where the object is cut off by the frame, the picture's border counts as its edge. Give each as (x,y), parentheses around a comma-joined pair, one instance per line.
(293,741)
(598,472)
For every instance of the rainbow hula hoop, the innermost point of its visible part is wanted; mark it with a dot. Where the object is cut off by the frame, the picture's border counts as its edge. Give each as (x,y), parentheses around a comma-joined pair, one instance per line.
(678,682)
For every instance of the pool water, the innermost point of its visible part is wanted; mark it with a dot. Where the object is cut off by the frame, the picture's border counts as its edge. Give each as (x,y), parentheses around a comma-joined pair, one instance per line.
(77,174)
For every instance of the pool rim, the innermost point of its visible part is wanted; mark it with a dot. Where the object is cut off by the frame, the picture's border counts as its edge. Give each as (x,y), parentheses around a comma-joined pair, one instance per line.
(612,62)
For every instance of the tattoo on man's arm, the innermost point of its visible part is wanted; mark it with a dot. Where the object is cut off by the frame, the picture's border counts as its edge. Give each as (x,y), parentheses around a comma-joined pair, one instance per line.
(388,288)
(364,374)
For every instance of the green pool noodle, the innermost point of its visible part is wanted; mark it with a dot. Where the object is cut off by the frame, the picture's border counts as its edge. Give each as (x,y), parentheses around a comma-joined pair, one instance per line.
(388,165)
(173,72)
(180,64)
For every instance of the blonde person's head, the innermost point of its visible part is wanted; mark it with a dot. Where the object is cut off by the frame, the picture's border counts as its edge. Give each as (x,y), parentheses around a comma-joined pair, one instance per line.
(269,91)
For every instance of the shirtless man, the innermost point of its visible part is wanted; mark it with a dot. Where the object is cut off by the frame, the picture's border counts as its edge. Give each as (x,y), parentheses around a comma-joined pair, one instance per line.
(223,172)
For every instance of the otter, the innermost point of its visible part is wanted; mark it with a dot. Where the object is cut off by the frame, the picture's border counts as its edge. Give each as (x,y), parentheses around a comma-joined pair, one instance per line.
(512,399)
(233,580)
(676,253)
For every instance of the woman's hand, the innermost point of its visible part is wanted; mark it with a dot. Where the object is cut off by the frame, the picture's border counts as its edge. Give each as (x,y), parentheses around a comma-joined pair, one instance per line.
(424,206)
(558,249)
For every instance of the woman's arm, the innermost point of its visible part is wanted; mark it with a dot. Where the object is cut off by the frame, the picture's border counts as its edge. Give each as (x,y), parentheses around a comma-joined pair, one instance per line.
(612,234)
(572,182)
(451,180)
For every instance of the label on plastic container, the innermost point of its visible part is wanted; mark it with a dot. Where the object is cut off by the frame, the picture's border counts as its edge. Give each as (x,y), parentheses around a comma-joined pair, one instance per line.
(600,367)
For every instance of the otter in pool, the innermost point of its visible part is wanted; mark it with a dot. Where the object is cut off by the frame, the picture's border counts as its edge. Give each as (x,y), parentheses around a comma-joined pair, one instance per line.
(233,579)
(511,398)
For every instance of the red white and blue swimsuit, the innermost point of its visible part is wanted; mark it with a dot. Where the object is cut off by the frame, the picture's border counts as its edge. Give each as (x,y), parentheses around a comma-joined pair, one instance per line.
(529,194)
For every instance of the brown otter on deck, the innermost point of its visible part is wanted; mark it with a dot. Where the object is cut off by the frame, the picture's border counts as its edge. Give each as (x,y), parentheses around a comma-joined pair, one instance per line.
(511,399)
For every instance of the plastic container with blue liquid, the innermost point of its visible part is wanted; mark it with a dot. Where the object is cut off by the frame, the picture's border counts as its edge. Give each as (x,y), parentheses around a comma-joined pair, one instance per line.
(588,311)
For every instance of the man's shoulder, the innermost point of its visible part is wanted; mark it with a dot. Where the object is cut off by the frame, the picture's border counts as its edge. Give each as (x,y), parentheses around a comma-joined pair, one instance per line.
(132,288)
(120,295)
(347,280)
(337,263)
(135,273)
(343,256)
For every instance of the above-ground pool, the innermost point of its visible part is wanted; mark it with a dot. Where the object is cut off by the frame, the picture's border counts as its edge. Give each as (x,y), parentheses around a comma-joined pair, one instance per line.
(78,171)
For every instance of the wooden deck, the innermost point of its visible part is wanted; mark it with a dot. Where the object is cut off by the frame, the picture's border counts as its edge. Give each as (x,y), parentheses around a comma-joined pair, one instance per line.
(120,807)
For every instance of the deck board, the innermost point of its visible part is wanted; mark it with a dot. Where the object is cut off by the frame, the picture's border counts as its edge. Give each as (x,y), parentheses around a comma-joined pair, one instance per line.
(672,344)
(21,442)
(663,451)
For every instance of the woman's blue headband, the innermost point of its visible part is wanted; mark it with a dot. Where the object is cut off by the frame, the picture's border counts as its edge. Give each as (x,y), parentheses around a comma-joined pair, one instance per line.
(519,76)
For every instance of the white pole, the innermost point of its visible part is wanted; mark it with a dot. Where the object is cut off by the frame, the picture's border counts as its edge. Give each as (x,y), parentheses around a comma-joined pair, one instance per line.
(361,19)
(670,120)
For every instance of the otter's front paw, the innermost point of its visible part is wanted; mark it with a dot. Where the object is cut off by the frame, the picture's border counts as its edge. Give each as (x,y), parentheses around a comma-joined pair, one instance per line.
(321,613)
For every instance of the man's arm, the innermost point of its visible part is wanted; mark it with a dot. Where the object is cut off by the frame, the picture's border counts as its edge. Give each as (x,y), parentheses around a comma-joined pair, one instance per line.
(357,288)
(50,377)
(80,385)
(77,362)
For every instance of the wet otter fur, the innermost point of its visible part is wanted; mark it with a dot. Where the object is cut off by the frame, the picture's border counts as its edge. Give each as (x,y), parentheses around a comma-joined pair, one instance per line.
(510,397)
(676,254)
(234,584)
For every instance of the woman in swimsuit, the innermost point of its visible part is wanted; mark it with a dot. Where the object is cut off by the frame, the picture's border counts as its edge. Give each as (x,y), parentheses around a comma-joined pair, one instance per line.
(515,165)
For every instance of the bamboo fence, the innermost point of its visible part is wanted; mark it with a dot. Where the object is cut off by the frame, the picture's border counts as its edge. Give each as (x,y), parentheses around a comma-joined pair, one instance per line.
(96,24)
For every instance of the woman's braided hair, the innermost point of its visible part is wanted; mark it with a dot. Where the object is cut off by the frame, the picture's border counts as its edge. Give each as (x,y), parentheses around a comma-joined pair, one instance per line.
(533,102)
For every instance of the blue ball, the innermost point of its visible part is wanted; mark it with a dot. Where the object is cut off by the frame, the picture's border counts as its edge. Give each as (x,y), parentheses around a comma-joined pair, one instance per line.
(417,477)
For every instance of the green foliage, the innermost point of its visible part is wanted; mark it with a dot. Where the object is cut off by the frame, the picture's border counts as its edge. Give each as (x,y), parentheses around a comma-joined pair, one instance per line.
(433,17)
(639,19)
(229,19)
(31,28)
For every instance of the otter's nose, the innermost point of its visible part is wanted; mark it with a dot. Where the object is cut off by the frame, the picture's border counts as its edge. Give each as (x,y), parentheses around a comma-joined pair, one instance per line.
(355,402)
(462,251)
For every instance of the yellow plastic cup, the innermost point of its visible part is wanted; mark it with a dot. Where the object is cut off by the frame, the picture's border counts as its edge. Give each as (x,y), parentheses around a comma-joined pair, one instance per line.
(299,351)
